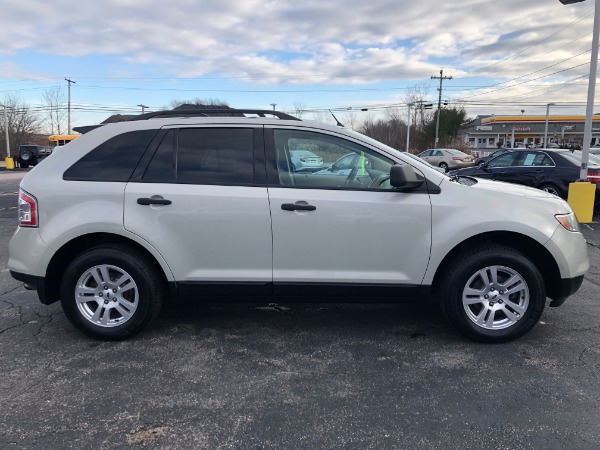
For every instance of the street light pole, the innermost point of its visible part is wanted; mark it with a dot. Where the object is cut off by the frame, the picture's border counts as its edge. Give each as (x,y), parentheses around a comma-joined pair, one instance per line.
(408,128)
(587,133)
(546,129)
(6,131)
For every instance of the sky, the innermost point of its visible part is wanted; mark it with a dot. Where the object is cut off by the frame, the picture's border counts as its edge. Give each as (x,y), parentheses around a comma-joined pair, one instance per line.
(504,56)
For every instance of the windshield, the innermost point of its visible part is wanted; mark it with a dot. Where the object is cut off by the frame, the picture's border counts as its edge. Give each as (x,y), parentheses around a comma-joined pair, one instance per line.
(575,158)
(415,159)
(456,152)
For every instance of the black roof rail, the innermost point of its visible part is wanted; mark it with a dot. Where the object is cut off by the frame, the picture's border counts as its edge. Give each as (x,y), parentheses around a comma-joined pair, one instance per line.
(228,112)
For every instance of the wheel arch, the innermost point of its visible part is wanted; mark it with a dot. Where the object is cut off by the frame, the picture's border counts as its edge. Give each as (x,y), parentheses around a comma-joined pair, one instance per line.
(536,252)
(62,258)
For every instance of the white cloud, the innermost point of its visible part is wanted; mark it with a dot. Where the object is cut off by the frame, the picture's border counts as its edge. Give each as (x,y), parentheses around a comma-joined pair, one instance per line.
(309,42)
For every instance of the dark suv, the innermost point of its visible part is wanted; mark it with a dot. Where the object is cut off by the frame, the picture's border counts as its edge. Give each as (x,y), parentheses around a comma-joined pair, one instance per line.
(31,154)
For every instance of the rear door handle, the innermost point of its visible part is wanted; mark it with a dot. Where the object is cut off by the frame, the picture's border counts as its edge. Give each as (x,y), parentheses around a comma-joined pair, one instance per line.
(297,207)
(153,201)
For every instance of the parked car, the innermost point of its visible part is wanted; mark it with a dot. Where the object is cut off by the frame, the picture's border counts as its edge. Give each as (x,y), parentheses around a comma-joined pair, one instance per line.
(484,159)
(305,160)
(549,170)
(231,221)
(447,158)
(595,151)
(31,155)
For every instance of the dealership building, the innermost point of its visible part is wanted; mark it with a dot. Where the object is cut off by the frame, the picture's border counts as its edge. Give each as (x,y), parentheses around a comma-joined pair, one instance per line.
(486,133)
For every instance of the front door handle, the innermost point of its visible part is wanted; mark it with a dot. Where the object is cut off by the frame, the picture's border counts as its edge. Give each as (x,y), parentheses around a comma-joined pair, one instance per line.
(153,201)
(297,207)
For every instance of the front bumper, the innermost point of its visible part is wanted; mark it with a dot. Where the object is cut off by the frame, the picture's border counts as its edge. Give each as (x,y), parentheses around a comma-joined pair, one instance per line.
(567,288)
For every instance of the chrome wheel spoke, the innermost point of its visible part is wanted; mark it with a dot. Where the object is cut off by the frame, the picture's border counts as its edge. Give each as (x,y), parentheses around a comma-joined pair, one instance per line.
(470,292)
(97,314)
(510,315)
(472,301)
(105,316)
(517,308)
(125,313)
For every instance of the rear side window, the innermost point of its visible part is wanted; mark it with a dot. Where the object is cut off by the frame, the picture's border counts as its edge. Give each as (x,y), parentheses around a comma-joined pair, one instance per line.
(218,156)
(113,160)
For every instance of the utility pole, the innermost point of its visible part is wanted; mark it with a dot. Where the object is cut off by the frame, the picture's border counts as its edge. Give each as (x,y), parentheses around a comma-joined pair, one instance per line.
(143,107)
(437,125)
(273,105)
(6,130)
(69,82)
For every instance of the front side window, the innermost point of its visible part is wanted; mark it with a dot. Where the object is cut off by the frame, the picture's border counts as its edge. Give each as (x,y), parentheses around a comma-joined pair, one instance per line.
(345,164)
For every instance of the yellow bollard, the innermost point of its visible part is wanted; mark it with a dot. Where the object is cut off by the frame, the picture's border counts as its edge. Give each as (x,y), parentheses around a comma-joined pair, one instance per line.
(581,198)
(10,163)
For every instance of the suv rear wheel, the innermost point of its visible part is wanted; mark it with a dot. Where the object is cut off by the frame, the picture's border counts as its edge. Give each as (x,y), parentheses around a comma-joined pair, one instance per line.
(493,294)
(111,292)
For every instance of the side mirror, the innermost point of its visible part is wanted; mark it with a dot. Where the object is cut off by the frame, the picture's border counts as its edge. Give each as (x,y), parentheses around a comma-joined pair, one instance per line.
(404,178)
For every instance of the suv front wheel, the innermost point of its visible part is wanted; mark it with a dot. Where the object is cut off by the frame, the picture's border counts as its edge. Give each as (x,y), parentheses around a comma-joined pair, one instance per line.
(493,294)
(111,292)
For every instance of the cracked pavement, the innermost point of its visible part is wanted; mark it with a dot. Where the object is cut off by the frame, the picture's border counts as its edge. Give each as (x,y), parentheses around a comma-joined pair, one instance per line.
(296,376)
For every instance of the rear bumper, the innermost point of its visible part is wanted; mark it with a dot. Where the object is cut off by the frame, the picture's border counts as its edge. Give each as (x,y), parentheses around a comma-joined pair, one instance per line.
(33,282)
(567,288)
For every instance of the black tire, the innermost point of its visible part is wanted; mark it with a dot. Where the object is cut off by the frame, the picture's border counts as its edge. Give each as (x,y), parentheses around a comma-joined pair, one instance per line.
(552,189)
(120,311)
(444,166)
(27,155)
(463,273)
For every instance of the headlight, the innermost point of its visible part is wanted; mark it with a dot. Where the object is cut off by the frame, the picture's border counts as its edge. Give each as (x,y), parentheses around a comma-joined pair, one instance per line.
(568,221)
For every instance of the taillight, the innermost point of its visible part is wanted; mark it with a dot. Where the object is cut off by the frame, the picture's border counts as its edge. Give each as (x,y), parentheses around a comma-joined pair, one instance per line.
(28,210)
(594,177)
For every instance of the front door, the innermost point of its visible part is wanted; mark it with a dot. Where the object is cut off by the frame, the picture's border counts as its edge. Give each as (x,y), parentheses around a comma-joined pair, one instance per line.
(343,227)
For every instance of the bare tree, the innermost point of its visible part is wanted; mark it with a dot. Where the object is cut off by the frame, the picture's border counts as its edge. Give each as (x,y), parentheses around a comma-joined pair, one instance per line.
(213,102)
(54,101)
(417,95)
(23,124)
(299,109)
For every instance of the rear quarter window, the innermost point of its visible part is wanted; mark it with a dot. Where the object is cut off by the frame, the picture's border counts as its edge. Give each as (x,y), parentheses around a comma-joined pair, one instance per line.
(113,160)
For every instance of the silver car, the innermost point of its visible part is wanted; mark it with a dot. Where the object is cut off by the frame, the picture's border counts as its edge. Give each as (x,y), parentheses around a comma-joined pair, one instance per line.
(447,158)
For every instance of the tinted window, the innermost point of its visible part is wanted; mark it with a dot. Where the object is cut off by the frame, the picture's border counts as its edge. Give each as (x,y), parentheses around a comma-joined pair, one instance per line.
(215,156)
(162,166)
(113,160)
(505,160)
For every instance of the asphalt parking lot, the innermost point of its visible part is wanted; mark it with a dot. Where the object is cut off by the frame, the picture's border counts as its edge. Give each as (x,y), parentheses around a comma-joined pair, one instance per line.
(295,376)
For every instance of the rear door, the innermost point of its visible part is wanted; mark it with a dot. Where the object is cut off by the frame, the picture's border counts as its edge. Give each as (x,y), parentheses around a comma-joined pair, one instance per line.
(202,202)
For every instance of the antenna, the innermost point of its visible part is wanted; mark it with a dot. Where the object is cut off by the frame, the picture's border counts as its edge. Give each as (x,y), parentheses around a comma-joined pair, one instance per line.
(339,124)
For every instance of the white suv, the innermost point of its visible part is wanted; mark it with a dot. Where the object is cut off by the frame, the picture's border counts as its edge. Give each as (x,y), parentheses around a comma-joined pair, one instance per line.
(167,206)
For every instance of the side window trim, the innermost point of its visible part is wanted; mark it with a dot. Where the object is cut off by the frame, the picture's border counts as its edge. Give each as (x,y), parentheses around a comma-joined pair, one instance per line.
(258,154)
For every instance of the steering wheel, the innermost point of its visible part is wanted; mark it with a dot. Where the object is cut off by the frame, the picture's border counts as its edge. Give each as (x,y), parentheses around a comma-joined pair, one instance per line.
(352,175)
(376,183)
